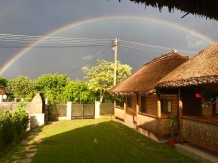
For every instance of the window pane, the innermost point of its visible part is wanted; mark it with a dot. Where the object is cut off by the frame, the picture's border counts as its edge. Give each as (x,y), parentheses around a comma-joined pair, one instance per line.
(166,106)
(143,104)
(129,101)
(169,106)
(216,107)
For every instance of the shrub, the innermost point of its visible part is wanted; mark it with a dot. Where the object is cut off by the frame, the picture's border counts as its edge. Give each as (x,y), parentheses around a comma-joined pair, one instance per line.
(12,124)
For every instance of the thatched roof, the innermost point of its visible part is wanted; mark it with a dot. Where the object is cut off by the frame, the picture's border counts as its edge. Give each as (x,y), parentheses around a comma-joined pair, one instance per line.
(3,90)
(203,8)
(201,69)
(144,80)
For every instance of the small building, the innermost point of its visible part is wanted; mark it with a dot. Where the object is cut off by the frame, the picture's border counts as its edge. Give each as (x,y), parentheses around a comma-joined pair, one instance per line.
(197,83)
(144,108)
(3,92)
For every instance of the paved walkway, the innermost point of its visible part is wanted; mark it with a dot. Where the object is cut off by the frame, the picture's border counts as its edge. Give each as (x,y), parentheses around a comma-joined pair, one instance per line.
(198,153)
(27,148)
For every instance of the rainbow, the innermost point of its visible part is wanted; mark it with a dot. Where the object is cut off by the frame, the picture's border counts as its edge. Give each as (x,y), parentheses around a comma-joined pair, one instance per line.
(94,20)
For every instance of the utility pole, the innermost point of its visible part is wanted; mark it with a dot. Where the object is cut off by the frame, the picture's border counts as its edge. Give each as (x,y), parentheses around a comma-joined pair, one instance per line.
(115,67)
(115,59)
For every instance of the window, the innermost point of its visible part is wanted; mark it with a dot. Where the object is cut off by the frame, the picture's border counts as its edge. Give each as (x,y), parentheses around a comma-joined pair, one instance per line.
(129,102)
(166,106)
(143,104)
(215,107)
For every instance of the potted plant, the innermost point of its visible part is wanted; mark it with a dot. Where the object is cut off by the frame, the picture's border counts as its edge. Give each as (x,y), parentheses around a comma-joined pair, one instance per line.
(172,124)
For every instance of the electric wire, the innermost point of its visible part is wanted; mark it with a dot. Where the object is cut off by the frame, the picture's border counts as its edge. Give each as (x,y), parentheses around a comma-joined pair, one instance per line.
(80,42)
(90,60)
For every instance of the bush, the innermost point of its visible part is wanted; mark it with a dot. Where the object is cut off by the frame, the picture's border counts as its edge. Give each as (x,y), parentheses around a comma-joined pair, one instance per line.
(12,124)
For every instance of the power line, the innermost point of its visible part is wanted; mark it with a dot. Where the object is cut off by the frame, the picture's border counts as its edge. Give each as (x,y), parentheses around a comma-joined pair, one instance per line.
(89,61)
(148,47)
(70,46)
(80,42)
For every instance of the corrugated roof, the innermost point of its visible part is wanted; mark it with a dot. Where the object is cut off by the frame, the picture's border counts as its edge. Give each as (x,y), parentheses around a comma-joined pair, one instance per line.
(144,80)
(201,69)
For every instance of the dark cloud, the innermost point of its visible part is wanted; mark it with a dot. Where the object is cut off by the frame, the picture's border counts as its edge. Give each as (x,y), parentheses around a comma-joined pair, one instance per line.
(37,18)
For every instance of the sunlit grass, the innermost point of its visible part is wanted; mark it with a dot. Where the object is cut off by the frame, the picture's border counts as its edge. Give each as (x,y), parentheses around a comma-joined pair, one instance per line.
(100,141)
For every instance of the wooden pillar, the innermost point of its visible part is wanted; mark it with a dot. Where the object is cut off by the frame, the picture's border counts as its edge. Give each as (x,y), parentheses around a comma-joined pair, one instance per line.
(114,102)
(159,116)
(180,118)
(125,101)
(137,110)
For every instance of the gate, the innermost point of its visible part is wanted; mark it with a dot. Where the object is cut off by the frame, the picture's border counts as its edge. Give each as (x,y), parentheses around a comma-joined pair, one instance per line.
(83,111)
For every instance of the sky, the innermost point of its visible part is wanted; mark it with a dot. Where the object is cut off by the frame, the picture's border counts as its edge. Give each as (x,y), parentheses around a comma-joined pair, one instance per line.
(102,20)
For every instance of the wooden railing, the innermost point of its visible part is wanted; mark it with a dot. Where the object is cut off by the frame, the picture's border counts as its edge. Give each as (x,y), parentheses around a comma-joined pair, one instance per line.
(200,131)
(119,113)
(148,123)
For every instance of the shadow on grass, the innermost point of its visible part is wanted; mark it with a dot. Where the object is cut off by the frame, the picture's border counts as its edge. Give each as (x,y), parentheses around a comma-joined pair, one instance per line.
(100,141)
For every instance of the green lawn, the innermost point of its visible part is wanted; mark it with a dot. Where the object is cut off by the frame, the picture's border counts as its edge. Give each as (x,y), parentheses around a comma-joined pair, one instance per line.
(98,141)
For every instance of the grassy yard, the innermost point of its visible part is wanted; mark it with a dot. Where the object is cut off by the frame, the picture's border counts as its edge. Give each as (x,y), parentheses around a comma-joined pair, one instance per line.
(98,141)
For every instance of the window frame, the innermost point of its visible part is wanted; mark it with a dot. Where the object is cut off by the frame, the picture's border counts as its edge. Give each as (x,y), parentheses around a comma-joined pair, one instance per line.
(143,106)
(129,102)
(215,107)
(166,110)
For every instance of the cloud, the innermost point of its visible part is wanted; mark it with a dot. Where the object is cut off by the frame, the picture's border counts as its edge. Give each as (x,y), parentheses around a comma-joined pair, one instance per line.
(88,57)
(193,41)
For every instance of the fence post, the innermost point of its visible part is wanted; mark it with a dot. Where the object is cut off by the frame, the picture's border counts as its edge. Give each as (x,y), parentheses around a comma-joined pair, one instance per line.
(69,110)
(97,109)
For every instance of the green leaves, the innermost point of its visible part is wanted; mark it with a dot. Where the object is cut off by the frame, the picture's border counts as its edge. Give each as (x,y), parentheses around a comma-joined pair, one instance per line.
(52,86)
(21,87)
(77,92)
(101,76)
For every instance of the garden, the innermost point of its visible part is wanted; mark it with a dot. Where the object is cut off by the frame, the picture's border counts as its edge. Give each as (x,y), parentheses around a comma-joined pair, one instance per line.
(92,140)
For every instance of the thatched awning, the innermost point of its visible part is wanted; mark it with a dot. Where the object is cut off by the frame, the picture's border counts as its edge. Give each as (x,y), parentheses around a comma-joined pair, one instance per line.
(144,80)
(202,8)
(201,69)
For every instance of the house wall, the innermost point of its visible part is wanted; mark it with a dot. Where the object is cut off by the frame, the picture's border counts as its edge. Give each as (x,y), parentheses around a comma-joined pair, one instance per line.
(174,104)
(152,104)
(132,110)
(207,112)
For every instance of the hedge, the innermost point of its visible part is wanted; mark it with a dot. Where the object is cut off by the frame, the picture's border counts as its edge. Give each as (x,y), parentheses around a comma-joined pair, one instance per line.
(12,124)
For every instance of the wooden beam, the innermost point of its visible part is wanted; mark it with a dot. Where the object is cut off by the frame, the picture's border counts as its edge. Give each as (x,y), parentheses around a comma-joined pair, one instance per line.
(125,101)
(159,116)
(180,118)
(137,109)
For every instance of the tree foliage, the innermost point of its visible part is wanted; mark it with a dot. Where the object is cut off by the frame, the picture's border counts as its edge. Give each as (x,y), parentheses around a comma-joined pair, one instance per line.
(3,81)
(101,76)
(52,86)
(77,92)
(21,87)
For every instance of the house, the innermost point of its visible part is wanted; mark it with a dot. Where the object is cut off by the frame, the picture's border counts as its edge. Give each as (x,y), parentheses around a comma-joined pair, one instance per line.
(144,108)
(3,92)
(197,83)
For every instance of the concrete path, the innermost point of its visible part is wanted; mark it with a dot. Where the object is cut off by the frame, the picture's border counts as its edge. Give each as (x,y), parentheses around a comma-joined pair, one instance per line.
(27,149)
(198,153)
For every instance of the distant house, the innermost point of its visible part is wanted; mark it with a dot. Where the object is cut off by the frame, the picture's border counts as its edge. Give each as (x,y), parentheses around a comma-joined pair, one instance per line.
(144,108)
(197,83)
(3,92)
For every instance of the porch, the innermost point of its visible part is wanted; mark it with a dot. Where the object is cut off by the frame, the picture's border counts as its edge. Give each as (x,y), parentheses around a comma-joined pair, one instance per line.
(200,131)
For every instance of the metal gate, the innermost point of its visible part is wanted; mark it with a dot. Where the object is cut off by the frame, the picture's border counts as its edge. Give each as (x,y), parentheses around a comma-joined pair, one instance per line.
(83,111)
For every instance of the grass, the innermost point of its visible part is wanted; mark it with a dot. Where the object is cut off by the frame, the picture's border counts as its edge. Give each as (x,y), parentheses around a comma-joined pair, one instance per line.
(100,140)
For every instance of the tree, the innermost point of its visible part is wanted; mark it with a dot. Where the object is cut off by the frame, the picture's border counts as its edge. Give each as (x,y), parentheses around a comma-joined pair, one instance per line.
(52,86)
(21,87)
(101,77)
(3,81)
(77,91)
